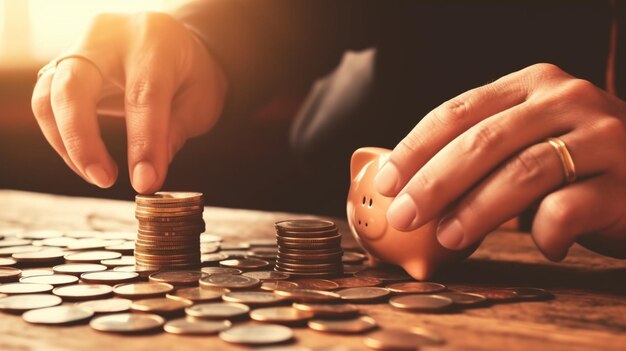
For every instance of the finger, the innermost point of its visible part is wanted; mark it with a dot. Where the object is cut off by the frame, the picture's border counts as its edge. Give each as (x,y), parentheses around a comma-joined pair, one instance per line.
(42,109)
(515,186)
(575,210)
(148,99)
(74,93)
(445,123)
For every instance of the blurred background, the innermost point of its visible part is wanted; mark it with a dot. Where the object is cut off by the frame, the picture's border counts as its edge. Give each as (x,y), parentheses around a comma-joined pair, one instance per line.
(259,174)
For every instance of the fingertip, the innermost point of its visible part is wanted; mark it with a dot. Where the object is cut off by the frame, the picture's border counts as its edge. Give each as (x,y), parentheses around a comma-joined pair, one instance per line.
(450,234)
(100,176)
(402,213)
(145,178)
(387,180)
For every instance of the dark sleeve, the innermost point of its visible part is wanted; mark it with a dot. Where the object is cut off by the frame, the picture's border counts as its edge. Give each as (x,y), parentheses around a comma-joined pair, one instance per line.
(265,46)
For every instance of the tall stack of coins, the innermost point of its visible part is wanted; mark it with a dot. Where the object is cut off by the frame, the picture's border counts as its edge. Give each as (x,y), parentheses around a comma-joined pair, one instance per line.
(309,247)
(170,224)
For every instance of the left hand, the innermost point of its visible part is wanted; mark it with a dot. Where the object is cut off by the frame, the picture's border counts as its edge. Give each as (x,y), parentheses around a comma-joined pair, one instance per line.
(481,158)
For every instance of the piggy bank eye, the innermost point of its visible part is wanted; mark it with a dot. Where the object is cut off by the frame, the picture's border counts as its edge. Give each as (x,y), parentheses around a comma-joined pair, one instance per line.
(363,200)
(371,202)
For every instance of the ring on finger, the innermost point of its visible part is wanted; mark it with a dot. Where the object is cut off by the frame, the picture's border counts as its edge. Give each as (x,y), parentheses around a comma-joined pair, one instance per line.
(51,66)
(569,168)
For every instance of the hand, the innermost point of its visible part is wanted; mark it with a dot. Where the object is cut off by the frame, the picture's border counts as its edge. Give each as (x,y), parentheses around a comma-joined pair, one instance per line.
(481,158)
(147,67)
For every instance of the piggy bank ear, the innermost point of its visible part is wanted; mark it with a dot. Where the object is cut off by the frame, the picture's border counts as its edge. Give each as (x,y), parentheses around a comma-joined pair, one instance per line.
(363,156)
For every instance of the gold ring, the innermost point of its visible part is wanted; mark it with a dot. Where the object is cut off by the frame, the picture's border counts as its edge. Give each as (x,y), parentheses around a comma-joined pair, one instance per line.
(52,65)
(566,159)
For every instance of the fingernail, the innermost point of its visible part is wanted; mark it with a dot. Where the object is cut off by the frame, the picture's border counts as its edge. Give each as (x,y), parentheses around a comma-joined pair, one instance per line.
(144,177)
(98,175)
(402,213)
(386,181)
(450,233)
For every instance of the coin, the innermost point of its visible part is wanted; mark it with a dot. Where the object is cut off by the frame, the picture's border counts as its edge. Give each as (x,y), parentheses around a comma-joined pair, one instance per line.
(494,294)
(266,275)
(416,288)
(14,242)
(87,244)
(316,284)
(352,257)
(280,315)
(195,294)
(142,290)
(57,315)
(218,310)
(36,271)
(229,281)
(144,272)
(108,277)
(252,298)
(127,322)
(112,305)
(531,294)
(161,305)
(367,294)
(307,295)
(40,234)
(125,248)
(11,250)
(44,256)
(177,278)
(78,292)
(254,334)
(24,288)
(91,256)
(4,262)
(169,197)
(117,262)
(356,282)
(337,310)
(78,268)
(304,225)
(463,298)
(8,274)
(213,258)
(394,339)
(384,274)
(20,303)
(344,326)
(186,326)
(278,285)
(52,279)
(421,303)
(245,263)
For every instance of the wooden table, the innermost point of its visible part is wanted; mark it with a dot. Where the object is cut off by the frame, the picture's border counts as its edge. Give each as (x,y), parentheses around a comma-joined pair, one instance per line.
(588,313)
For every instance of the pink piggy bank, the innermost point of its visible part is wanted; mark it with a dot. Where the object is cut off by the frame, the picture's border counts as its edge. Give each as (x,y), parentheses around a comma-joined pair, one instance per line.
(417,251)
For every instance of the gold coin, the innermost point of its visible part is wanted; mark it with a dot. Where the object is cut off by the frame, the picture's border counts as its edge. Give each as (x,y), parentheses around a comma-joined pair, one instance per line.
(24,288)
(91,256)
(463,298)
(220,270)
(196,294)
(306,295)
(108,277)
(57,315)
(316,284)
(394,339)
(52,279)
(161,305)
(245,263)
(230,281)
(344,326)
(78,268)
(112,305)
(20,303)
(218,310)
(335,310)
(356,282)
(142,290)
(252,298)
(278,285)
(77,292)
(177,278)
(8,274)
(421,303)
(304,225)
(127,322)
(531,294)
(367,294)
(280,315)
(255,334)
(185,326)
(416,288)
(44,256)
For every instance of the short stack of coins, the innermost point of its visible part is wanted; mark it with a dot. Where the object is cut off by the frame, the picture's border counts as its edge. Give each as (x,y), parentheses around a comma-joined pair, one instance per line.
(308,248)
(170,224)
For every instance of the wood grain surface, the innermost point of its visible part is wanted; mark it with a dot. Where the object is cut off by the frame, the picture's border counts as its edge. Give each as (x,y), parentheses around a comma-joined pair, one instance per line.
(588,312)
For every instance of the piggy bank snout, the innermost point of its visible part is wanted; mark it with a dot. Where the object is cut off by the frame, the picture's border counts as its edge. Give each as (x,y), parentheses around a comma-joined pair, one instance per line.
(370,217)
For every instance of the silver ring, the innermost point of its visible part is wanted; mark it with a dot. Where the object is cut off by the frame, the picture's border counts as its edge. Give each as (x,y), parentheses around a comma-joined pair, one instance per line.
(52,65)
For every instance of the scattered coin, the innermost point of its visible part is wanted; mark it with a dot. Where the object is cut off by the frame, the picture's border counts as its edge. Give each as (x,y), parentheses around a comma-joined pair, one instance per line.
(187,326)
(91,256)
(40,234)
(254,334)
(78,292)
(494,294)
(421,303)
(51,279)
(177,278)
(252,298)
(161,305)
(196,294)
(220,270)
(463,298)
(117,262)
(306,295)
(235,246)
(142,290)
(278,285)
(11,250)
(78,268)
(394,339)
(44,256)
(267,275)
(36,271)
(356,282)
(280,315)
(14,242)
(5,262)
(142,271)
(344,326)
(8,274)
(245,263)
(208,259)
(127,322)
(229,281)
(367,294)
(112,305)
(341,310)
(24,288)
(20,303)
(108,277)
(531,294)
(218,310)
(416,288)
(384,274)
(57,315)
(351,257)
(316,284)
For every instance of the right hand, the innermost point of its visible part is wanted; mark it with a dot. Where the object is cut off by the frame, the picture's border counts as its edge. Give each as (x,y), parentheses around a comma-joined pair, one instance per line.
(146,67)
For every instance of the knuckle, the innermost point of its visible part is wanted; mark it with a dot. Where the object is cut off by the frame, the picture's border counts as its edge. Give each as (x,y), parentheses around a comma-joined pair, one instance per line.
(137,144)
(73,144)
(481,138)
(578,89)
(525,168)
(546,70)
(427,183)
(452,111)
(141,94)
(408,146)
